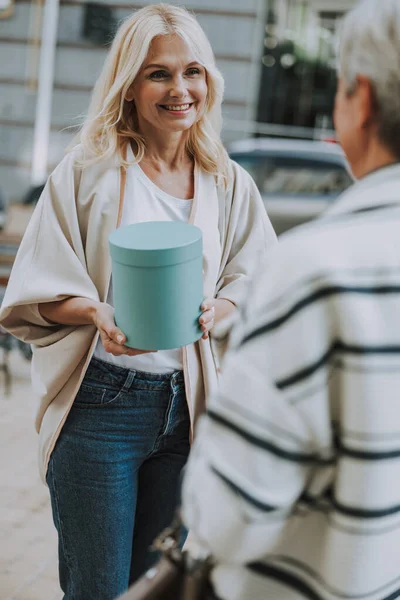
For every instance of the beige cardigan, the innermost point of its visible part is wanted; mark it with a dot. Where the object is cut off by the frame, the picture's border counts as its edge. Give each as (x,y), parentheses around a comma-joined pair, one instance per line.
(64,253)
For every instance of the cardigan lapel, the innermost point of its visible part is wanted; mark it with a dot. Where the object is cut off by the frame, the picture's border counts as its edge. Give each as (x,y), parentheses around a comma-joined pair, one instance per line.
(205,215)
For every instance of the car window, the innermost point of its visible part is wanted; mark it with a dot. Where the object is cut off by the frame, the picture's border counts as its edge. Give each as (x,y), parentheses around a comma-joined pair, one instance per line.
(287,176)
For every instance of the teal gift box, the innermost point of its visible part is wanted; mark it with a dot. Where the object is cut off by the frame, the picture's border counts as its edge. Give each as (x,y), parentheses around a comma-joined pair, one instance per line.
(157,274)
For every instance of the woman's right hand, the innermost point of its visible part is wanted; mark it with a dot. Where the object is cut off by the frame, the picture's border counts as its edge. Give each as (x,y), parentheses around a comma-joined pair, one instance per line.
(112,337)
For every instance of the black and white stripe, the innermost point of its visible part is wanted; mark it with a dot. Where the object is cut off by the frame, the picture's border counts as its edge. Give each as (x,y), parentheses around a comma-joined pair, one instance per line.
(296,474)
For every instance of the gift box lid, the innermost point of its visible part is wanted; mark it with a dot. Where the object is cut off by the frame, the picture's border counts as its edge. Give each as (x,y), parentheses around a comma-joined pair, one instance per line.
(155,243)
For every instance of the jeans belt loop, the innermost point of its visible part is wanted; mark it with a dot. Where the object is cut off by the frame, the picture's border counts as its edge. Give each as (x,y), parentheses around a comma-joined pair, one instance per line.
(174,386)
(129,380)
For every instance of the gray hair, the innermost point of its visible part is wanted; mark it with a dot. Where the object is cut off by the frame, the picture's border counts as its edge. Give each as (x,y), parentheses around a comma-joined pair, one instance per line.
(370,46)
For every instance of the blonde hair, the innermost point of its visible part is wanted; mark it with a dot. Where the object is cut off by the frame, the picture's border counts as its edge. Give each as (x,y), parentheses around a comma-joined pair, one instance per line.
(111,121)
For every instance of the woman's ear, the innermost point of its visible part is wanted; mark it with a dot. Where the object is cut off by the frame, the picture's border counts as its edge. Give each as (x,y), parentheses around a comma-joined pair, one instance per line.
(129,94)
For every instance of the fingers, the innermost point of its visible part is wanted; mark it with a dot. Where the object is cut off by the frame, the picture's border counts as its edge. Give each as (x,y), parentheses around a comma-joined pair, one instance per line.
(207,319)
(117,349)
(117,336)
(105,323)
(113,342)
(208,304)
(112,337)
(136,351)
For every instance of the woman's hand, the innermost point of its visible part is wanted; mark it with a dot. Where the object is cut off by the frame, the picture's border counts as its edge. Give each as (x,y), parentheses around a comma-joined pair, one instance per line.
(214,310)
(111,336)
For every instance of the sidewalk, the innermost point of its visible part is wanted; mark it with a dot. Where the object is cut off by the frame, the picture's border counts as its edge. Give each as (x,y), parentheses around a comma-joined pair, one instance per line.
(28,546)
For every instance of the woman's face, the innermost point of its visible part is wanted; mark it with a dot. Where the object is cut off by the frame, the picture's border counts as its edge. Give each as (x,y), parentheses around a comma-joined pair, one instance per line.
(170,90)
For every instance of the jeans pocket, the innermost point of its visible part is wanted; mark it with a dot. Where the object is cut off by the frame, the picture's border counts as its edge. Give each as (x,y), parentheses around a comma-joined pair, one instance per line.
(96,394)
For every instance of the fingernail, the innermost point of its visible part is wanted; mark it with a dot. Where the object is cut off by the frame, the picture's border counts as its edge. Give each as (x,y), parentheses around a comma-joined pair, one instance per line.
(120,339)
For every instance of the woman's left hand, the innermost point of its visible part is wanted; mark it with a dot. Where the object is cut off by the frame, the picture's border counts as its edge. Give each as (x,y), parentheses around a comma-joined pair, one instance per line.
(214,310)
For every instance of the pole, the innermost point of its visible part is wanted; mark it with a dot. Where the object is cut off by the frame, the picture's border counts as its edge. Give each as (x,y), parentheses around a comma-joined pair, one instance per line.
(254,81)
(44,93)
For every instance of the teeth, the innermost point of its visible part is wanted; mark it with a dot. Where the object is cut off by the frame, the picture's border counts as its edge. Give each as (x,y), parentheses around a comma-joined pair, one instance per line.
(177,108)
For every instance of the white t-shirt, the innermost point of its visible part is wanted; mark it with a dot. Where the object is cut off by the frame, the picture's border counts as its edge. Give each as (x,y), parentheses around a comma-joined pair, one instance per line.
(144,201)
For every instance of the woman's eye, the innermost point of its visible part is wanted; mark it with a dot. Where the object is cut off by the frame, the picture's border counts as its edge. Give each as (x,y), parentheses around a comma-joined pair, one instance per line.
(158,75)
(193,71)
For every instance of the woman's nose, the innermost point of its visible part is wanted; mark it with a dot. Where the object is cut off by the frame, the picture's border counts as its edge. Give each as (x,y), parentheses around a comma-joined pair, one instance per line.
(178,88)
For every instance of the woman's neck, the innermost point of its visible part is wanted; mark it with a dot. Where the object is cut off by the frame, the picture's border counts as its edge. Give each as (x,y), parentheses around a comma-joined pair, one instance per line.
(166,151)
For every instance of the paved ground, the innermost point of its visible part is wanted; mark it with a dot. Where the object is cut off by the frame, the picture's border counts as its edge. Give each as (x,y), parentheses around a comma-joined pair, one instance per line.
(28,542)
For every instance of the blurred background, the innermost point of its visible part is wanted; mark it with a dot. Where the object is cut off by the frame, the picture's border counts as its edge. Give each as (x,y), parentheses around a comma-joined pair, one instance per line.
(278,60)
(277,57)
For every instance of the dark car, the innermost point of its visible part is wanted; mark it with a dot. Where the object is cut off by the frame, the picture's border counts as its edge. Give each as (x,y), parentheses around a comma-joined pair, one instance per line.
(297,179)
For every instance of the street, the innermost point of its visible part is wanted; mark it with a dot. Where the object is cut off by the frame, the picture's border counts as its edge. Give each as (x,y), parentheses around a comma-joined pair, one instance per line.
(28,550)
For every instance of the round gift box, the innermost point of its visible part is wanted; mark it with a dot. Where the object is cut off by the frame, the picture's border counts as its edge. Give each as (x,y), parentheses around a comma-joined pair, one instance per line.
(157,275)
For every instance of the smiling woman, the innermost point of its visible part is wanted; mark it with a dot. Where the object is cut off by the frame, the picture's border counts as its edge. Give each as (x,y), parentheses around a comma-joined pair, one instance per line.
(115,422)
(175,53)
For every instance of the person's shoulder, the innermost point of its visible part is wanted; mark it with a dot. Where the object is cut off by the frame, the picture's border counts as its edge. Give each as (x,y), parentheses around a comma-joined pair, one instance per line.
(295,268)
(70,162)
(318,238)
(78,162)
(239,184)
(303,254)
(303,237)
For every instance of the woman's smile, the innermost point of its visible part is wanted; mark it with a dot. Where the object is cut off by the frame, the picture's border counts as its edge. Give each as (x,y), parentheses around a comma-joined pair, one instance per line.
(177,110)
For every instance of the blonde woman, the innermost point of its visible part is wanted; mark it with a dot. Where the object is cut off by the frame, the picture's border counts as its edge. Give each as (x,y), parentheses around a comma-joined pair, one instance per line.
(115,423)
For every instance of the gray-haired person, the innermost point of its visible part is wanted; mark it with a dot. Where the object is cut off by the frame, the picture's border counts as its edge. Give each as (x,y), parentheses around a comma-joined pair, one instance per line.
(294,480)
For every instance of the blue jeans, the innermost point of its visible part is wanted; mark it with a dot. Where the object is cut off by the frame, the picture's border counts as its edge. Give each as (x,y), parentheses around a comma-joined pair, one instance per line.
(114,477)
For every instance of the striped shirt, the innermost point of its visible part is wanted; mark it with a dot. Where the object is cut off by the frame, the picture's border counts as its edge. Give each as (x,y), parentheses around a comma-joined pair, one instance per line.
(294,479)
